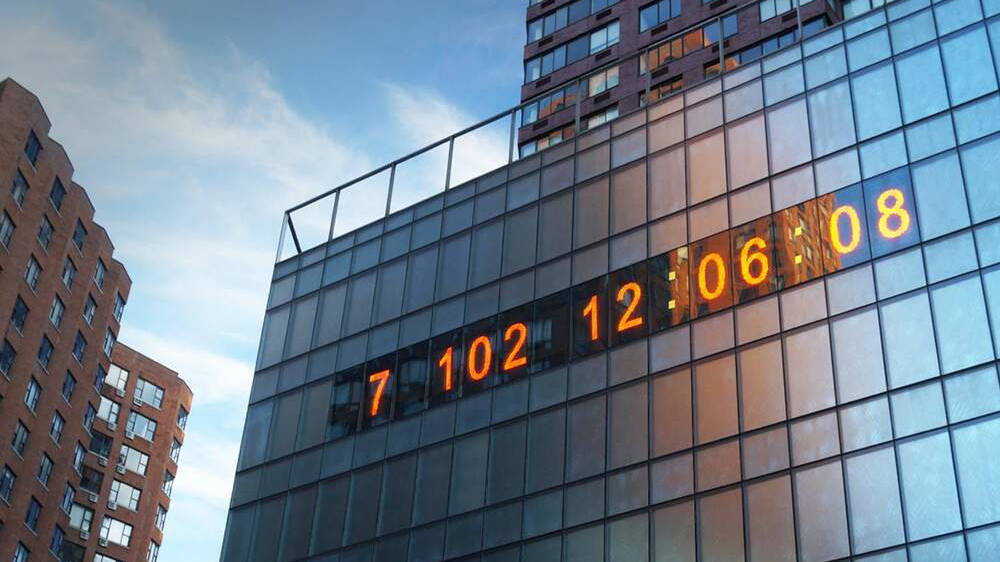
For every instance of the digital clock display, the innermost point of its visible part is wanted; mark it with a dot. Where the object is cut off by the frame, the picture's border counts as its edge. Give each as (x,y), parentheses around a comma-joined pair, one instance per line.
(784,249)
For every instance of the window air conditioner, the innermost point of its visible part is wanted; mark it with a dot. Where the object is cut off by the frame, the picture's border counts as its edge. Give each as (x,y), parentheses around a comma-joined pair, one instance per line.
(120,392)
(129,434)
(102,541)
(112,505)
(112,425)
(137,401)
(102,461)
(93,498)
(84,535)
(120,469)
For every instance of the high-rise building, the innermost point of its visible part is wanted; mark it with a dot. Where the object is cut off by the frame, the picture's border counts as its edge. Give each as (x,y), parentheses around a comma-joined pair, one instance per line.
(756,319)
(60,496)
(589,61)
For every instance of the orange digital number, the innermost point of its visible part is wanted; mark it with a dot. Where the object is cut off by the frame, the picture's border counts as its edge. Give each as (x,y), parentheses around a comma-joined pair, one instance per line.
(855,224)
(627,321)
(720,278)
(751,254)
(517,331)
(591,311)
(446,362)
(381,377)
(887,211)
(479,369)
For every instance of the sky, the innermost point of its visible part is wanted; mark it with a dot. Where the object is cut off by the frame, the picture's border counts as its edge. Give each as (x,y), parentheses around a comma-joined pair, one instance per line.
(193,125)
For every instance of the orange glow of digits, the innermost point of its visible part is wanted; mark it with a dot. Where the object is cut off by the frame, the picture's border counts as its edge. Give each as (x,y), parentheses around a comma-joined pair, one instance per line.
(720,279)
(627,321)
(887,211)
(517,331)
(591,311)
(855,223)
(750,254)
(446,362)
(381,377)
(479,369)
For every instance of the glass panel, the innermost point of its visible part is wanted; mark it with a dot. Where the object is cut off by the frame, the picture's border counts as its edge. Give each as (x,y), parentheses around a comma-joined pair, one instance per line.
(909,340)
(875,103)
(715,394)
(857,348)
(788,136)
(831,118)
(822,514)
(747,151)
(969,65)
(810,376)
(961,322)
(707,167)
(941,205)
(771,528)
(876,515)
(928,481)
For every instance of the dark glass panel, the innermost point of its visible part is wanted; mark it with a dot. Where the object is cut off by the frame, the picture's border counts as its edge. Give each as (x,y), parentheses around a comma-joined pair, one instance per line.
(627,302)
(798,244)
(515,348)
(754,271)
(480,356)
(590,317)
(345,403)
(670,289)
(891,219)
(710,270)
(380,380)
(411,382)
(550,332)
(446,367)
(843,229)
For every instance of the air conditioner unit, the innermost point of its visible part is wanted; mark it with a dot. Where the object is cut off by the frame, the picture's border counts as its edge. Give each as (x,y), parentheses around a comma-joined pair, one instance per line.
(102,461)
(112,505)
(129,434)
(102,541)
(137,401)
(93,498)
(120,469)
(120,392)
(84,535)
(112,425)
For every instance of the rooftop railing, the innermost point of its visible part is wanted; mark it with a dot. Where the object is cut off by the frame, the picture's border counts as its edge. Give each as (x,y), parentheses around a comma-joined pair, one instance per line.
(473,152)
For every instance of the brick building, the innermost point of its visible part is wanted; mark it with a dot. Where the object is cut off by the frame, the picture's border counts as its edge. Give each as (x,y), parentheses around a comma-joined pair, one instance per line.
(66,294)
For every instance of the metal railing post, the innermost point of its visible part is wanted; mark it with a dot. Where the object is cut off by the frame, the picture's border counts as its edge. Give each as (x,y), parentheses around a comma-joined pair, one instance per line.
(333,214)
(513,131)
(388,196)
(281,237)
(451,152)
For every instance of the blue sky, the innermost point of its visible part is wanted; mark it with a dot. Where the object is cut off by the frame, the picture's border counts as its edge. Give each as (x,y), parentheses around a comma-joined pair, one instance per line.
(194,124)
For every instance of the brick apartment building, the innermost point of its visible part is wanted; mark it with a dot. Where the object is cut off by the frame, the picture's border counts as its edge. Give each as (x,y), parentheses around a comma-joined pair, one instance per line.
(595,53)
(66,294)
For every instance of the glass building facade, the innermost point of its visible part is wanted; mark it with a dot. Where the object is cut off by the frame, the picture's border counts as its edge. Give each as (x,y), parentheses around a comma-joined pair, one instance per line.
(758,320)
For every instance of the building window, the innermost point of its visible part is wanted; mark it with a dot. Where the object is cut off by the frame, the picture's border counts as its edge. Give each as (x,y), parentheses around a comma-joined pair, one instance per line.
(21,553)
(6,229)
(68,273)
(56,312)
(32,394)
(31,517)
(599,118)
(99,375)
(45,470)
(658,12)
(7,479)
(771,8)
(570,52)
(19,314)
(124,495)
(104,558)
(153,552)
(168,483)
(140,425)
(57,194)
(32,147)
(133,460)
(117,377)
(57,539)
(175,451)
(80,517)
(148,392)
(546,25)
(45,232)
(79,453)
(549,139)
(79,347)
(100,272)
(109,342)
(108,410)
(79,235)
(161,517)
(100,444)
(602,81)
(182,418)
(45,352)
(56,427)
(549,104)
(88,417)
(19,188)
(690,42)
(68,386)
(7,356)
(20,437)
(67,499)
(31,272)
(118,532)
(119,307)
